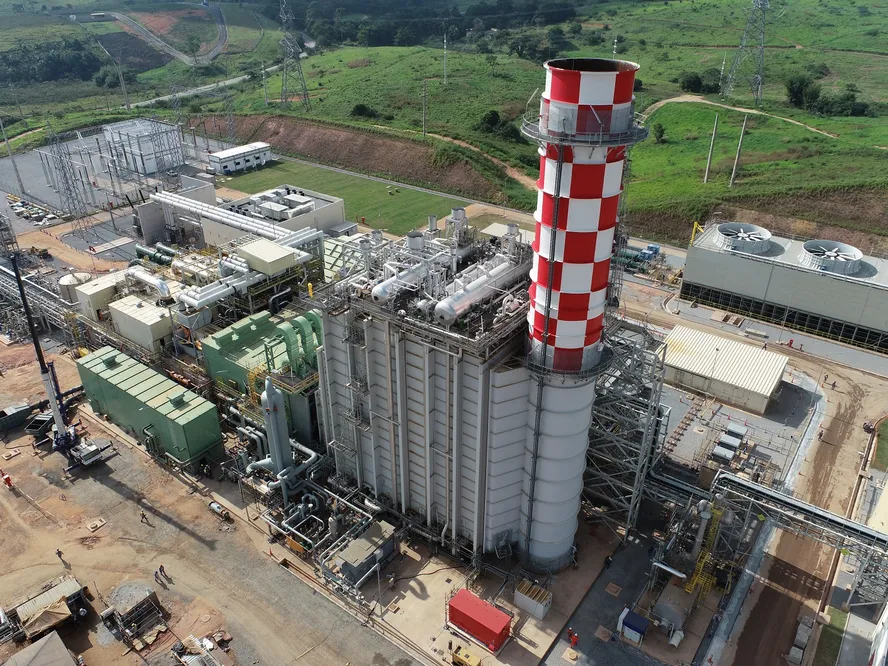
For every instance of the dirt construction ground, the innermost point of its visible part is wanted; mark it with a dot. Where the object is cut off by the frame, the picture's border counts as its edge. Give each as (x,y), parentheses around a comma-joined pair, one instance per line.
(220,574)
(794,572)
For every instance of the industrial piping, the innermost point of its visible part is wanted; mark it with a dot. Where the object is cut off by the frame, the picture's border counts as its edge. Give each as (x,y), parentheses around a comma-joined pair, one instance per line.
(151,280)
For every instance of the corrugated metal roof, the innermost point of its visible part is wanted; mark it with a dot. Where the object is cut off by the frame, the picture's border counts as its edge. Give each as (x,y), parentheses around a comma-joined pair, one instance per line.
(270,258)
(149,387)
(48,651)
(730,361)
(237,151)
(143,310)
(66,587)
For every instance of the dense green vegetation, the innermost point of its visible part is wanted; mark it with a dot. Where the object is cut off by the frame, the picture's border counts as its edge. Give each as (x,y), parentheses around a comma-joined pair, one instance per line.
(49,61)
(825,67)
(830,642)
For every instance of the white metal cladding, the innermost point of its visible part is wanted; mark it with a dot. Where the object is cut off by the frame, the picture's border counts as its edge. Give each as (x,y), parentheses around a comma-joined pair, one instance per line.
(779,279)
(732,362)
(446,437)
(561,461)
(506,438)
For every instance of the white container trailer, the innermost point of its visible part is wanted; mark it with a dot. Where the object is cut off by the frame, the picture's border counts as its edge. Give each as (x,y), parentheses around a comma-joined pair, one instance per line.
(250,156)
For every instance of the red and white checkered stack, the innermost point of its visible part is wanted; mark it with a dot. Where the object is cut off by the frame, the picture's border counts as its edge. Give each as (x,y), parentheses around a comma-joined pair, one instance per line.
(586,116)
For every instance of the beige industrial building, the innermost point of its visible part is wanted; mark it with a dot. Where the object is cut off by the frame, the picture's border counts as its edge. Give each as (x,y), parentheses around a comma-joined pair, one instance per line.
(287,207)
(142,321)
(730,371)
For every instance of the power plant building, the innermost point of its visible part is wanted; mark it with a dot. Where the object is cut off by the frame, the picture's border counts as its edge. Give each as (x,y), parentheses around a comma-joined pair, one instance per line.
(429,392)
(823,287)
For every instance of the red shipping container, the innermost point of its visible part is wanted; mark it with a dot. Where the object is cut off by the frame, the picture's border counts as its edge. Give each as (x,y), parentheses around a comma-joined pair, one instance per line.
(479,619)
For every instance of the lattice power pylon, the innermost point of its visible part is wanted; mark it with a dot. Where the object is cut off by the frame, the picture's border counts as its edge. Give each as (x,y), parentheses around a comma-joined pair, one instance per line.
(292,77)
(752,45)
(68,182)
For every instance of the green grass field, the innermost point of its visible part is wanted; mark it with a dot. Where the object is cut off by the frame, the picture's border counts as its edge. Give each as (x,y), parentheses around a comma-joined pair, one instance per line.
(398,212)
(880,460)
(31,28)
(777,157)
(830,642)
(244,29)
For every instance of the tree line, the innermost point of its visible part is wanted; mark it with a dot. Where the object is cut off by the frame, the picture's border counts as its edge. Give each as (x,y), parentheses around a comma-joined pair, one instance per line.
(411,22)
(49,61)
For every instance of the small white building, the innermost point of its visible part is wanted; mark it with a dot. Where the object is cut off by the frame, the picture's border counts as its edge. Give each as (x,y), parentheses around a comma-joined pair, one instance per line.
(239,158)
(733,372)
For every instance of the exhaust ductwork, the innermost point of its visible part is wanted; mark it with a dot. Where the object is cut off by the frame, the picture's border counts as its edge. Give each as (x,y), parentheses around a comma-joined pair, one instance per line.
(153,281)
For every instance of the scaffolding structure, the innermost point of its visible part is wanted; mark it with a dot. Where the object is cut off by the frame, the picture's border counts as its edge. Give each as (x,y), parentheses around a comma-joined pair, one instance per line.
(8,241)
(629,425)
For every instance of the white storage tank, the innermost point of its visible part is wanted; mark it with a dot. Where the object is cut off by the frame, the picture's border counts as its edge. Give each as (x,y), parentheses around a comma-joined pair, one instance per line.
(68,284)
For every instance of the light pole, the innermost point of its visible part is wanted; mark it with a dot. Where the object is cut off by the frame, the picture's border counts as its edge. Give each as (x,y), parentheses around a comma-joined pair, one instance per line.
(712,372)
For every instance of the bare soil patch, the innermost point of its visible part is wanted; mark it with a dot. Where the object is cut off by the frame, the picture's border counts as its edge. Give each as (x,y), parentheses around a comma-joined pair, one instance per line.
(160,23)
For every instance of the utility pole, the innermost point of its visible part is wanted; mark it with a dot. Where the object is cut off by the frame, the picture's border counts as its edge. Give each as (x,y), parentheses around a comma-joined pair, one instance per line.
(739,146)
(424,105)
(265,84)
(126,101)
(22,113)
(18,176)
(445,54)
(615,46)
(711,146)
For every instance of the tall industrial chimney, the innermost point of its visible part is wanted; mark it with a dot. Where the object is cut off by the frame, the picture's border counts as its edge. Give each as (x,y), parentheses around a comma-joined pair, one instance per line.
(586,124)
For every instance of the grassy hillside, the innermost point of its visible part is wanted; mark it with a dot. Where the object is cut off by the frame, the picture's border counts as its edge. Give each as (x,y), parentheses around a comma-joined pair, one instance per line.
(381,206)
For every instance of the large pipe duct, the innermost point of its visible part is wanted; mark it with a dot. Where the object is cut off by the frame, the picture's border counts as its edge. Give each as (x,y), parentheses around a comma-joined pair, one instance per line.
(164,249)
(153,256)
(406,279)
(492,280)
(153,281)
(276,426)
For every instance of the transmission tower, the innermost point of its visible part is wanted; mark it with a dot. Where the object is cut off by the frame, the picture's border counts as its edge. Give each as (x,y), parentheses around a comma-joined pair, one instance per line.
(176,98)
(68,182)
(230,124)
(292,78)
(752,44)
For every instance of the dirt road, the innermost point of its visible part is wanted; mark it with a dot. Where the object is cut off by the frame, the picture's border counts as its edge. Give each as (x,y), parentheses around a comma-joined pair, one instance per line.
(157,42)
(51,239)
(685,99)
(794,572)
